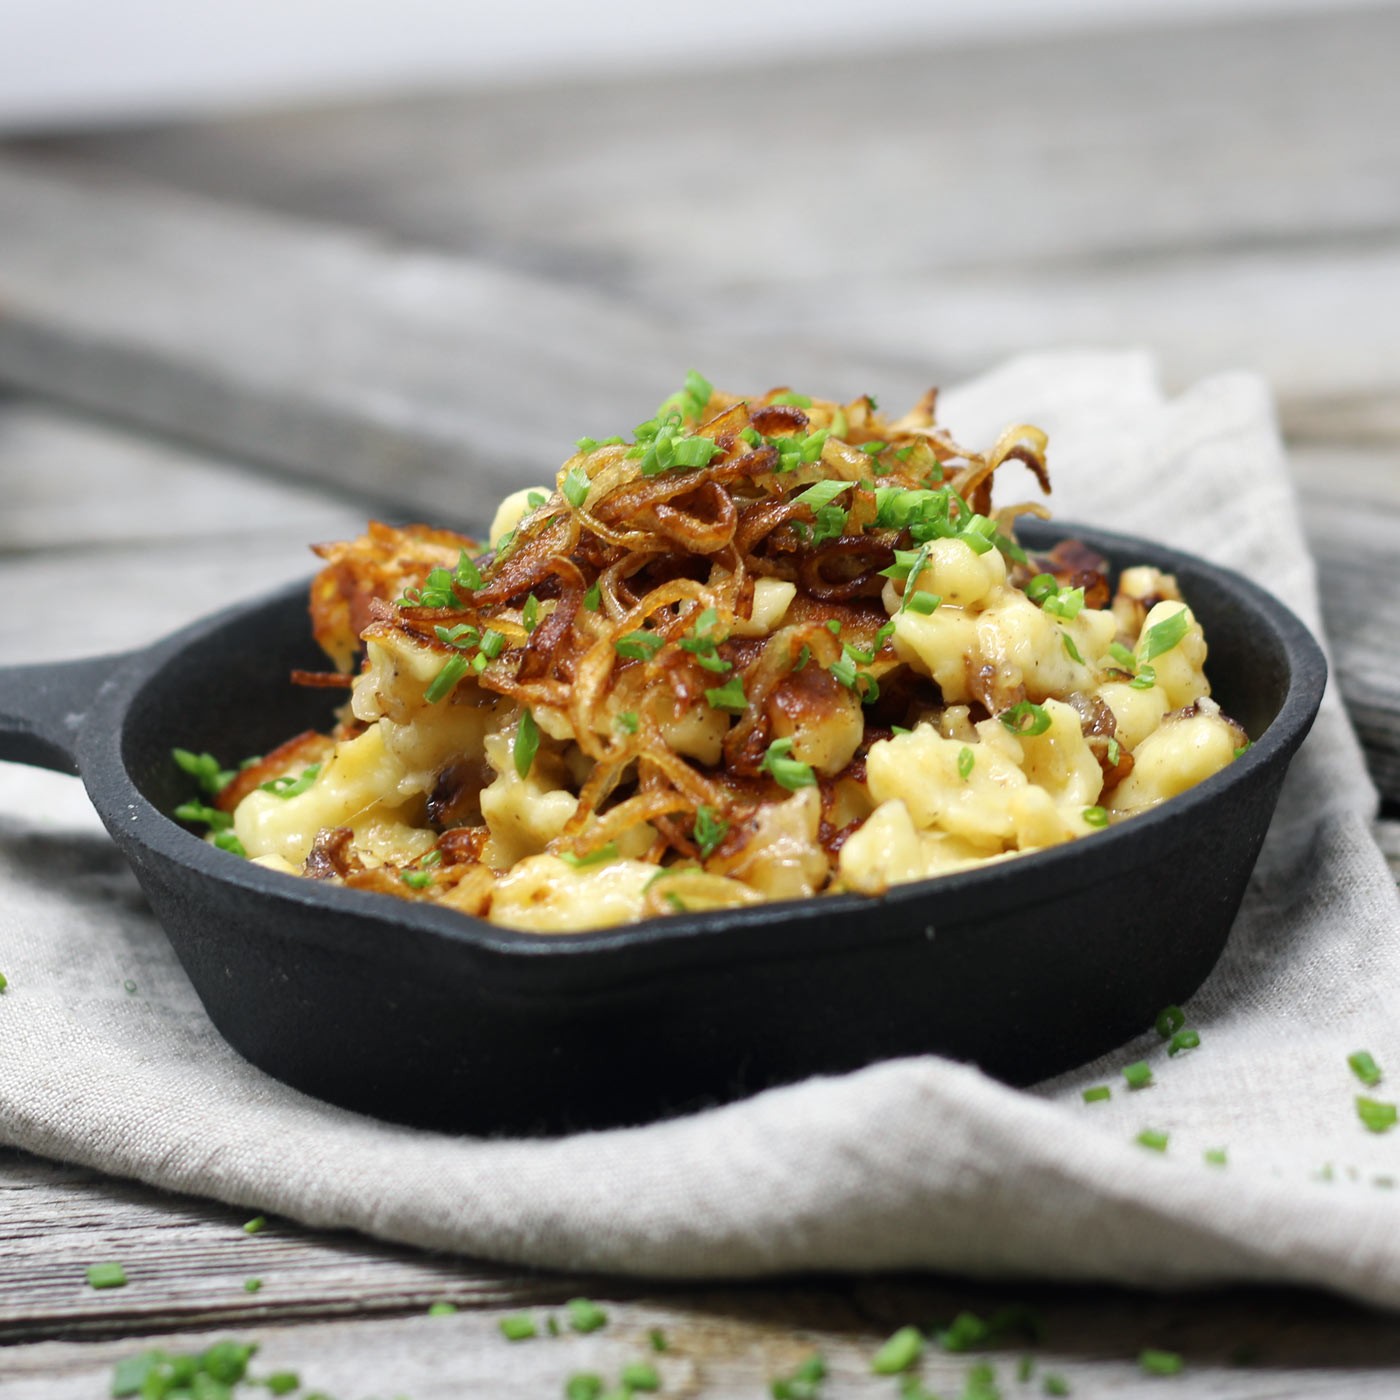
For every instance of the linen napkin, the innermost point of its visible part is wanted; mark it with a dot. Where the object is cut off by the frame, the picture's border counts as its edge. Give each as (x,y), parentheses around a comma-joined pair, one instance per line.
(106,1057)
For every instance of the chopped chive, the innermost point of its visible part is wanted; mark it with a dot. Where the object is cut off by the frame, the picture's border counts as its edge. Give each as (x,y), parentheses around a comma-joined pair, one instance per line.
(462,636)
(575,486)
(587,444)
(821,493)
(1365,1068)
(803,657)
(518,1327)
(627,721)
(833,625)
(453,669)
(593,598)
(467,575)
(657,1339)
(899,1353)
(1377,1116)
(1026,719)
(416,879)
(919,600)
(1215,1156)
(204,768)
(639,1375)
(1071,650)
(527,743)
(585,1315)
(1138,1074)
(796,400)
(1170,1019)
(535,499)
(1041,587)
(530,613)
(710,830)
(729,696)
(966,761)
(256,1224)
(1123,656)
(1150,1137)
(1097,1094)
(1115,752)
(1025,1369)
(1095,816)
(1165,635)
(1184,1040)
(106,1276)
(583,1385)
(789,773)
(1054,1384)
(442,1309)
(1160,1363)
(1145,679)
(214,819)
(639,646)
(287,786)
(493,643)
(252,1285)
(227,841)
(965,1332)
(282,1382)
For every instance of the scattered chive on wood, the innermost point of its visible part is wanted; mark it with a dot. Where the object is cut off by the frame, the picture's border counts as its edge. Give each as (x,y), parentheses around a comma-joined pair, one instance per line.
(252,1285)
(639,1375)
(518,1327)
(106,1276)
(585,1315)
(282,1382)
(1364,1068)
(441,1309)
(1097,1093)
(583,1385)
(899,1353)
(1160,1363)
(258,1222)
(657,1339)
(1055,1384)
(1151,1138)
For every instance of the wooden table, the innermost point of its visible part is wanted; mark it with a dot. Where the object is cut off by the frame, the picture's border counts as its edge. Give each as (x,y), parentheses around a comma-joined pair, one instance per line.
(224,340)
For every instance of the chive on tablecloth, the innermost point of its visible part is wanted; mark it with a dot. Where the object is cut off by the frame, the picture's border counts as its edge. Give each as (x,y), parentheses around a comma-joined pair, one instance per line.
(916,1163)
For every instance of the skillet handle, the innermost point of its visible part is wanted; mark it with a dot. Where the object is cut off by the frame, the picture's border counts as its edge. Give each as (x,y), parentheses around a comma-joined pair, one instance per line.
(42,709)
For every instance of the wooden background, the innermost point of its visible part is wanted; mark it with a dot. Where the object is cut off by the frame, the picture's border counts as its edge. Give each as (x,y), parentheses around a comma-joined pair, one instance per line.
(220,341)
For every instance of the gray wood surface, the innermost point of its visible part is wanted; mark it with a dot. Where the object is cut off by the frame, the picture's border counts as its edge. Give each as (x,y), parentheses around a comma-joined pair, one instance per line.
(305,311)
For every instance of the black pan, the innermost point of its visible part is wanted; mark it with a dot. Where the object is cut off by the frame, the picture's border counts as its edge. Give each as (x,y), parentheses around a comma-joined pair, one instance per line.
(429,1017)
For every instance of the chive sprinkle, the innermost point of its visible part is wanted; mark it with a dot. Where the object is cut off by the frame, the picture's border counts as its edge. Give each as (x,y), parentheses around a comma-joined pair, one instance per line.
(1377,1116)
(899,1353)
(1025,1369)
(1170,1019)
(1184,1040)
(4,982)
(106,1276)
(1097,1093)
(252,1285)
(627,721)
(530,613)
(729,696)
(1215,1156)
(598,857)
(583,1385)
(1160,1363)
(787,772)
(1150,1137)
(253,1226)
(281,1382)
(1095,816)
(416,879)
(1138,1074)
(966,761)
(527,743)
(639,1375)
(585,1315)
(638,646)
(657,1339)
(453,669)
(288,786)
(575,486)
(1054,1384)
(1026,719)
(518,1327)
(593,598)
(1365,1068)
(709,831)
(1165,635)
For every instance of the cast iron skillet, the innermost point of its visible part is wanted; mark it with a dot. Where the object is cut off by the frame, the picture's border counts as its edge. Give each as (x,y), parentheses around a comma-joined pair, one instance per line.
(433,1018)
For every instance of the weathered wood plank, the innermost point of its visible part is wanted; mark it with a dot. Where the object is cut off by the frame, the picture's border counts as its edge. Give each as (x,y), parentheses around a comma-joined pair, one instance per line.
(75,483)
(752,168)
(186,1261)
(1352,515)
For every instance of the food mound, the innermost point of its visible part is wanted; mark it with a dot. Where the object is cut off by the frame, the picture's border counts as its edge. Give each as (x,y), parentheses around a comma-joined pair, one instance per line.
(772,648)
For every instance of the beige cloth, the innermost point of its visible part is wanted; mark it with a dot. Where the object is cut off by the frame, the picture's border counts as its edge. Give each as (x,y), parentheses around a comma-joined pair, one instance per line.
(916,1163)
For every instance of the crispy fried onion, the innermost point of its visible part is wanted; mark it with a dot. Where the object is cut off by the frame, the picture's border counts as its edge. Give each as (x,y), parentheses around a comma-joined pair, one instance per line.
(624,598)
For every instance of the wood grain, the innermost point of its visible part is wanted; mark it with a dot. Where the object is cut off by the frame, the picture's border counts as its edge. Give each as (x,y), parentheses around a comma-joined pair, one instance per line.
(350,1315)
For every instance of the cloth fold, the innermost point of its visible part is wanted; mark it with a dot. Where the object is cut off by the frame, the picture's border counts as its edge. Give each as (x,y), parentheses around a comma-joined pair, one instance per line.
(106,1057)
